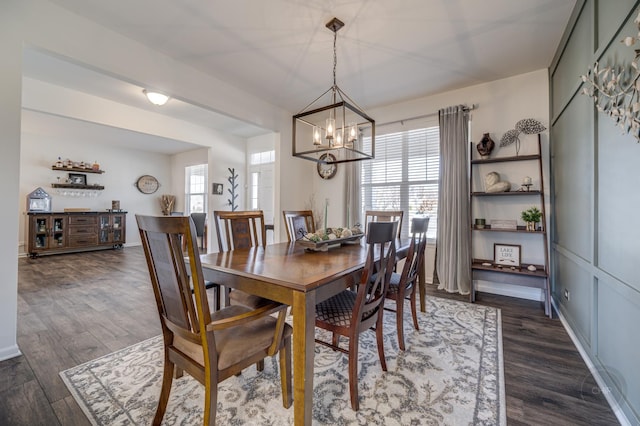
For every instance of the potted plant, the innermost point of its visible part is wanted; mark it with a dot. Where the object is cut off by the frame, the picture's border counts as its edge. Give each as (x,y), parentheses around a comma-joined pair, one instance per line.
(531,216)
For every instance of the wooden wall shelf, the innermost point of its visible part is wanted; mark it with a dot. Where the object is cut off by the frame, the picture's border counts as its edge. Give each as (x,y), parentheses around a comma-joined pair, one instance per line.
(506,159)
(502,194)
(77,186)
(76,169)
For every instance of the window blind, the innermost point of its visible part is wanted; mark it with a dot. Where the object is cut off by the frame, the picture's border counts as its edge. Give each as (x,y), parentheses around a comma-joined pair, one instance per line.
(404,175)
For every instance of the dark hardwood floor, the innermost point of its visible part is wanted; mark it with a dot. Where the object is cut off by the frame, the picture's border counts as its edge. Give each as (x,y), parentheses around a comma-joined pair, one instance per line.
(76,307)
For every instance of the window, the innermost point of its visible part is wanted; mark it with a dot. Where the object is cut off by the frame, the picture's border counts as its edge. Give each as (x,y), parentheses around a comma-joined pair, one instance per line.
(404,175)
(196,188)
(263,157)
(254,190)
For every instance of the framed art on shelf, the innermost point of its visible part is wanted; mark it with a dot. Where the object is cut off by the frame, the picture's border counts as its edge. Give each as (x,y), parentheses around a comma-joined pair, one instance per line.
(507,254)
(77,178)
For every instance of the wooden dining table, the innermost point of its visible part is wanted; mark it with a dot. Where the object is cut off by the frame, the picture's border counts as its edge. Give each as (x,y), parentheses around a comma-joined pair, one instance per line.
(287,273)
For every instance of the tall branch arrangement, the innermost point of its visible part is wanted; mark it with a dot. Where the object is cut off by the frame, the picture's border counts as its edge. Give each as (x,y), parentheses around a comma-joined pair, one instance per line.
(233,186)
(616,89)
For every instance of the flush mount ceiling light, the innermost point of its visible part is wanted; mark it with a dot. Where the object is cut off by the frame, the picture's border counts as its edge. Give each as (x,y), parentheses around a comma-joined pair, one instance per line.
(333,122)
(156,98)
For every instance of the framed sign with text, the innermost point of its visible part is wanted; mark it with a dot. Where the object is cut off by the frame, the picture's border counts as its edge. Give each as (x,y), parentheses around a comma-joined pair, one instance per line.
(507,254)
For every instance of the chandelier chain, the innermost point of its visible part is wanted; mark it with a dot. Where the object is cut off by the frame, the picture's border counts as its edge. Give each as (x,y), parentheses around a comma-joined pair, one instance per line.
(335,57)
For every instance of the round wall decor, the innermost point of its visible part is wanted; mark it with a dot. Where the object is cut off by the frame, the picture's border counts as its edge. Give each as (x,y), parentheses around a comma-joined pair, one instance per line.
(327,171)
(147,184)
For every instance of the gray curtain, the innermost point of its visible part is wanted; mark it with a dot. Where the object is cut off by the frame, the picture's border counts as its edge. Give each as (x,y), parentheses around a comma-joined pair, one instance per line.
(453,262)
(353,195)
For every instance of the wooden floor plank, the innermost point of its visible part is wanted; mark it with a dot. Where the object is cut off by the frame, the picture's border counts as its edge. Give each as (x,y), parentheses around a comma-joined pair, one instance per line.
(26,405)
(75,307)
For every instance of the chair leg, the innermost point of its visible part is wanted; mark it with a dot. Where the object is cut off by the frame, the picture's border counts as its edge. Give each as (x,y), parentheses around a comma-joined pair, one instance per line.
(217,297)
(414,310)
(285,373)
(353,372)
(260,365)
(400,320)
(380,340)
(178,372)
(167,378)
(335,340)
(210,400)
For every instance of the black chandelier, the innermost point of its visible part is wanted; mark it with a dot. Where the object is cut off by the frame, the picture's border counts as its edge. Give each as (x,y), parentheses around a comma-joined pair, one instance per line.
(333,123)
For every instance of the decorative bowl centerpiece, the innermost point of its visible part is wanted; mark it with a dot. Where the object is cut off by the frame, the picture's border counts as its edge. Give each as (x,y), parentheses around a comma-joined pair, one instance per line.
(324,239)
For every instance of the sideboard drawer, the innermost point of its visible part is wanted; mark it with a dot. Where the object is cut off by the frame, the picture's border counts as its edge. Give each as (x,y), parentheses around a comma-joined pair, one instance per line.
(82,230)
(83,220)
(83,240)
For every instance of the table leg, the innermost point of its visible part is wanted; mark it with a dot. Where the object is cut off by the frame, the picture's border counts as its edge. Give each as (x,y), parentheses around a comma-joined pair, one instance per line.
(304,319)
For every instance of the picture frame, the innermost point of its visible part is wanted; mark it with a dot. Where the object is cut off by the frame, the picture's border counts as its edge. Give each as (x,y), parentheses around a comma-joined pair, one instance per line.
(217,188)
(507,254)
(77,179)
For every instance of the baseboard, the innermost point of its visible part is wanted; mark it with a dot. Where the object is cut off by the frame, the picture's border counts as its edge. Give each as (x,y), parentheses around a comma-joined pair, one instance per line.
(615,407)
(529,293)
(9,352)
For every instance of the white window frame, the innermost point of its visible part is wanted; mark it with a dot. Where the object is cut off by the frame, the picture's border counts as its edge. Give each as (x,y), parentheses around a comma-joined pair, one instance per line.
(192,188)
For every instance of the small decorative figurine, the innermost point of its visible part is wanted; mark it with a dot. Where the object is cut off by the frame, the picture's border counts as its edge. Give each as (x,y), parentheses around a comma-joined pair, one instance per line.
(485,146)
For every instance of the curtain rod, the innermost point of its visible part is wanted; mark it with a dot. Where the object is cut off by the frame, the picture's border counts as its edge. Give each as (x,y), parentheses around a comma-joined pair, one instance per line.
(418,117)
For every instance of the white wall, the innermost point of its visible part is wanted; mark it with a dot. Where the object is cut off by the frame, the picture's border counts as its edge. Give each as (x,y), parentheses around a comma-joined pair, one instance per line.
(10,99)
(122,168)
(501,104)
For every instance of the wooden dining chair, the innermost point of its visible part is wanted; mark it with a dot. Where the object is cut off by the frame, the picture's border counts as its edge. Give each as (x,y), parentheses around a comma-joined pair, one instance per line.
(403,285)
(384,216)
(298,223)
(209,346)
(349,313)
(200,220)
(240,230)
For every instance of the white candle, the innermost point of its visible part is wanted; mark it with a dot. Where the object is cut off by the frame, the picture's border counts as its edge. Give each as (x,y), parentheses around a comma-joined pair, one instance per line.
(326,205)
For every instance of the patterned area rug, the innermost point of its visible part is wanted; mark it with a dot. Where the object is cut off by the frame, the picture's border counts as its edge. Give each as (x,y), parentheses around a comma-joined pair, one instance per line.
(450,374)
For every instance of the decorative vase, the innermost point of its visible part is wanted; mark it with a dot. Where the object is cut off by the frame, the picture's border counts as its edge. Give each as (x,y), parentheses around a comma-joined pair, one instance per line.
(485,146)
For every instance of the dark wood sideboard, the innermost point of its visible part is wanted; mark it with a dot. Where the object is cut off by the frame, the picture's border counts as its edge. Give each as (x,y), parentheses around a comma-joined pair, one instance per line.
(64,232)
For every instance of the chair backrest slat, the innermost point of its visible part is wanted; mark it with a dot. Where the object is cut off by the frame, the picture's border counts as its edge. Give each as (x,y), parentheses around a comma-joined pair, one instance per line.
(384,216)
(298,223)
(242,229)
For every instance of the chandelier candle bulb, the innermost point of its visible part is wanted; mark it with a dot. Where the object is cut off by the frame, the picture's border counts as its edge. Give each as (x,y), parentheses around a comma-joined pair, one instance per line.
(331,123)
(353,133)
(338,143)
(316,136)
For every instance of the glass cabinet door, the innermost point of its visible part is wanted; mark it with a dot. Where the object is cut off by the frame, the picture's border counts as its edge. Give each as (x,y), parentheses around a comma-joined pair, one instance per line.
(118,226)
(105,227)
(41,227)
(57,232)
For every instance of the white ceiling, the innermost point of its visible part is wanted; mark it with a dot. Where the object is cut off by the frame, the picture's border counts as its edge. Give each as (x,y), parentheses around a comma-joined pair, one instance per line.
(389,50)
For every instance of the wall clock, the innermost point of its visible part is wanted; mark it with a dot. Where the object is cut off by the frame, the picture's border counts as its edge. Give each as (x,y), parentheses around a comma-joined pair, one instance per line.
(327,171)
(147,184)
